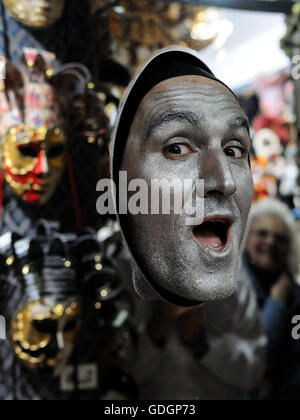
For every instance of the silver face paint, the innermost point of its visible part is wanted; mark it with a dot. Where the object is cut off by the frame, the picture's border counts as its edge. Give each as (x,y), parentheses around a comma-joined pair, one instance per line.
(185,264)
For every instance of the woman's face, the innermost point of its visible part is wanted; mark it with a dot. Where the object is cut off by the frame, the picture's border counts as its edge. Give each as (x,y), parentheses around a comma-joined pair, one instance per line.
(268,243)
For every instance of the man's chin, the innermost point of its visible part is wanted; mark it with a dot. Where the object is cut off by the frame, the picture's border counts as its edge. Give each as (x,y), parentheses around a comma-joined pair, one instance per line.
(185,289)
(199,285)
(209,278)
(212,287)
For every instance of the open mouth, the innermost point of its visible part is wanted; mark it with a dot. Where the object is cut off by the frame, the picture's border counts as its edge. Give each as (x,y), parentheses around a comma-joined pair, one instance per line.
(214,233)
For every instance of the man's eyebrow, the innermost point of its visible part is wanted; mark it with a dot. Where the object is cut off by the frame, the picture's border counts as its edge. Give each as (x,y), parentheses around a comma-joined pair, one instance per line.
(239,122)
(170,116)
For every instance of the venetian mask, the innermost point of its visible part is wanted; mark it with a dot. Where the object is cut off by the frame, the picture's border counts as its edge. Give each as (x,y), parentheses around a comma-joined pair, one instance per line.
(36,13)
(178,123)
(34,161)
(33,126)
(266,143)
(44,333)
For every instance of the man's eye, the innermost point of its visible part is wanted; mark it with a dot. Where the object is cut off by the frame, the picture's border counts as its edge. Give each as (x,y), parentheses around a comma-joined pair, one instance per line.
(235,152)
(177,150)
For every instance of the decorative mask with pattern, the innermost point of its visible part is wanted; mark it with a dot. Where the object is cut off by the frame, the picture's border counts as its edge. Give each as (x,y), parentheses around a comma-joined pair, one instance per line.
(35,114)
(44,333)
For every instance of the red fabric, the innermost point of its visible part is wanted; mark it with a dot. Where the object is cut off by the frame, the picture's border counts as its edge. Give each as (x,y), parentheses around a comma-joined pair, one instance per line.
(276,124)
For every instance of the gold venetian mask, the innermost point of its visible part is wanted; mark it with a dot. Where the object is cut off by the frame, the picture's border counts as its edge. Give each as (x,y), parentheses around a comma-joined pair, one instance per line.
(36,13)
(34,161)
(44,334)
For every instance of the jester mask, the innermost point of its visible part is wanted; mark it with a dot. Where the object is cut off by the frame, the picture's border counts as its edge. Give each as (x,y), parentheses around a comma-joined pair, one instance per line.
(32,129)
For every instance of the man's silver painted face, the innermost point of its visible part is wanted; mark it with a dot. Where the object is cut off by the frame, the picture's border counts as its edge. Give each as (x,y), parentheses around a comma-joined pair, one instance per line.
(191,127)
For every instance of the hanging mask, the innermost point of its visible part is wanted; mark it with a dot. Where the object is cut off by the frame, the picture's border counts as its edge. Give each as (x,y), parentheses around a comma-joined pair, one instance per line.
(266,143)
(34,161)
(35,107)
(36,13)
(32,127)
(44,333)
(44,329)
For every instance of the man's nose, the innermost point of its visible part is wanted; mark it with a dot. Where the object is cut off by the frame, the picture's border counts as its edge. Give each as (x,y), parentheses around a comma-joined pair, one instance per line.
(42,167)
(216,172)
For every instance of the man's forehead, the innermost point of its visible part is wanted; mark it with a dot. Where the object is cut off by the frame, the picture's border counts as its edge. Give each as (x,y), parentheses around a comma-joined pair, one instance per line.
(186,90)
(189,98)
(182,81)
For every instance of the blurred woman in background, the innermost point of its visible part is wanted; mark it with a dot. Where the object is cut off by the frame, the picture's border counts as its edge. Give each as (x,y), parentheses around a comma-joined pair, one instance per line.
(271,263)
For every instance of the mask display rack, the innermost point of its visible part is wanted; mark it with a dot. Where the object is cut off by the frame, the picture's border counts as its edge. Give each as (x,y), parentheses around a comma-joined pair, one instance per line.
(69,304)
(65,305)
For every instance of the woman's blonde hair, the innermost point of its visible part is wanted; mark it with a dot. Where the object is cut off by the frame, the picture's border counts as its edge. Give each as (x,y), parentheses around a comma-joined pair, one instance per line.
(268,207)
